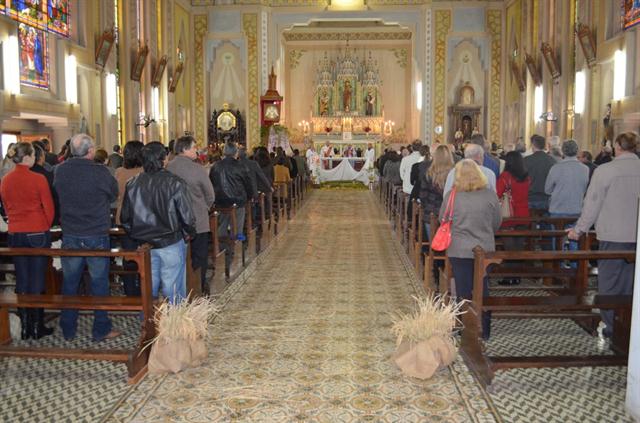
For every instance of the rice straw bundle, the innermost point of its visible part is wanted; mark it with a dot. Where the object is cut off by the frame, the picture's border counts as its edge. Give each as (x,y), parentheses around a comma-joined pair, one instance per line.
(435,316)
(187,320)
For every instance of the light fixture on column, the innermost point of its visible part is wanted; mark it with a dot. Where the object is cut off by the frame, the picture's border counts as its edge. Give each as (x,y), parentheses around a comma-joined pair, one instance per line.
(538,98)
(111,90)
(71,78)
(11,62)
(619,74)
(579,92)
(155,102)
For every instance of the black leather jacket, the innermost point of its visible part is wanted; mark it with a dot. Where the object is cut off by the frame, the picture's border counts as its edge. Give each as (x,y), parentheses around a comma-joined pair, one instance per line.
(157,209)
(231,183)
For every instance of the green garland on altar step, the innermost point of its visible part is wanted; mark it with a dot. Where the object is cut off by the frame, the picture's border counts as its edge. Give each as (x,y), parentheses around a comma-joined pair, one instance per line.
(343,185)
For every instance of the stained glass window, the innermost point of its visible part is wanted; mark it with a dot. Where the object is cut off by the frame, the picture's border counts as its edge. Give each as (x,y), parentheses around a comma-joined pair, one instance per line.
(30,12)
(34,57)
(58,17)
(47,15)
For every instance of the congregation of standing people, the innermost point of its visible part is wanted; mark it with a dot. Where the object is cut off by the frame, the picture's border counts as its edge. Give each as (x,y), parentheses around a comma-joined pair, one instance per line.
(469,185)
(161,197)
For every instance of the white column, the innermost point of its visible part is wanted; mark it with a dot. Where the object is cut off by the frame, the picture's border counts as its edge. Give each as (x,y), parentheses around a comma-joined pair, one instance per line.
(633,372)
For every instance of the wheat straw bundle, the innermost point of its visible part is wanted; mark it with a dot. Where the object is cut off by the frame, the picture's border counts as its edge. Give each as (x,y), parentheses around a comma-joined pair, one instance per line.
(182,330)
(424,338)
(187,320)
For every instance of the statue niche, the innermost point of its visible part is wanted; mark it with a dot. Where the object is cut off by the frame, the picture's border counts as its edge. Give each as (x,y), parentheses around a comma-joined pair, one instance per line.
(465,116)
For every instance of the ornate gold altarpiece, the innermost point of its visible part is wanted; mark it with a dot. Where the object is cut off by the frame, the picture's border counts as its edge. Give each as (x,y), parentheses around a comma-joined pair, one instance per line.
(347,99)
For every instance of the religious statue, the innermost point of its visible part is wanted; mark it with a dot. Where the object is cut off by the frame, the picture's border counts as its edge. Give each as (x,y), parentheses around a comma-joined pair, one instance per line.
(458,136)
(324,103)
(369,99)
(346,96)
(466,127)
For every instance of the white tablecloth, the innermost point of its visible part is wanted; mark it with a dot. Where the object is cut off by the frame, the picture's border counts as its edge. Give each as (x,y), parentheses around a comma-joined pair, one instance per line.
(345,172)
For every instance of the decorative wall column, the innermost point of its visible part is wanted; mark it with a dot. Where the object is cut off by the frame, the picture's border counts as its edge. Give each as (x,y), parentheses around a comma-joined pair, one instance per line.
(200,25)
(428,130)
(494,27)
(250,28)
(443,25)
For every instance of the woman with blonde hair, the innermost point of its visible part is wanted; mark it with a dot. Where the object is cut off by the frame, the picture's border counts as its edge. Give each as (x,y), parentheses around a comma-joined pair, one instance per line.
(476,218)
(432,184)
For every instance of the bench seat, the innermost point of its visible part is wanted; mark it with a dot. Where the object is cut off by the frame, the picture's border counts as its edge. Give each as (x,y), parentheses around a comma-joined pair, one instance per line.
(77,302)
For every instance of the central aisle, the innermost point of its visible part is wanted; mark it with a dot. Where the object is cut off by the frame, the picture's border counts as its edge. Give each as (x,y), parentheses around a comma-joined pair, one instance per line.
(307,336)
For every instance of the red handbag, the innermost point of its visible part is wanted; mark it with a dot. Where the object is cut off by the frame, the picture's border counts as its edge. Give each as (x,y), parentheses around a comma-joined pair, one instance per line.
(442,238)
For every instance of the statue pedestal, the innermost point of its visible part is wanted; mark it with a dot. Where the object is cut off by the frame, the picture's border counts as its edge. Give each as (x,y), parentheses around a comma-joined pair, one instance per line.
(346,136)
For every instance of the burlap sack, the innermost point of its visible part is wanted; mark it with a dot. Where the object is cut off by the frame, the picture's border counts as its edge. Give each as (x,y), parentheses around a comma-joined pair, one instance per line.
(423,359)
(174,356)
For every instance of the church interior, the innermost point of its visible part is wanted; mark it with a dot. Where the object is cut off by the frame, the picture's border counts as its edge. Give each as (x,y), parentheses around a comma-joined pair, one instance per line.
(307,304)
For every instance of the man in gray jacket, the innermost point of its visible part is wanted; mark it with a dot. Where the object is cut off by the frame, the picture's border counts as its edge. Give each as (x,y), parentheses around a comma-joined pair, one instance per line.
(612,204)
(202,196)
(566,184)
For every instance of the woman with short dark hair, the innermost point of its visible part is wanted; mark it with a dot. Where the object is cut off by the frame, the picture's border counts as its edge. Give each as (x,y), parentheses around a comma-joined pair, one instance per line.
(29,206)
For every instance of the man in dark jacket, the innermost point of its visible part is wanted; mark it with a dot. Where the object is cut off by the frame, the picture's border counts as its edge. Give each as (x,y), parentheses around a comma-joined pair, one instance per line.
(157,210)
(586,158)
(538,165)
(232,185)
(85,191)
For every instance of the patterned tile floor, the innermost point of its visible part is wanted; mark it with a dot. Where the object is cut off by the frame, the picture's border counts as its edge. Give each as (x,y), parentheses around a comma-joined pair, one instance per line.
(304,336)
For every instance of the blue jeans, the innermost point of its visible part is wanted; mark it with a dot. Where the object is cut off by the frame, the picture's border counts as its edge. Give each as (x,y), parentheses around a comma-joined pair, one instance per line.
(72,269)
(168,270)
(30,270)
(572,245)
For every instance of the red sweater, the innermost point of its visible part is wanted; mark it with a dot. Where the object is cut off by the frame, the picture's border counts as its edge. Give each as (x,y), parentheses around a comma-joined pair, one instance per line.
(519,195)
(27,200)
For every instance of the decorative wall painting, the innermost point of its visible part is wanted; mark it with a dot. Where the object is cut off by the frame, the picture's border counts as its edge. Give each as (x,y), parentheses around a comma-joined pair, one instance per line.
(532,66)
(516,71)
(631,13)
(34,60)
(587,43)
(139,62)
(105,44)
(551,61)
(173,81)
(159,71)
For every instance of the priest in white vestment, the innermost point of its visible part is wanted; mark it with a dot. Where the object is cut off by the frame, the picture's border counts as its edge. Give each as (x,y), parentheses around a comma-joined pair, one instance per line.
(326,152)
(370,155)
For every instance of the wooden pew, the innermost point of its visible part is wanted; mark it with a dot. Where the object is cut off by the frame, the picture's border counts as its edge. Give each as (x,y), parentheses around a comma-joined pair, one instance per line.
(217,256)
(249,250)
(265,232)
(279,211)
(233,248)
(555,306)
(136,359)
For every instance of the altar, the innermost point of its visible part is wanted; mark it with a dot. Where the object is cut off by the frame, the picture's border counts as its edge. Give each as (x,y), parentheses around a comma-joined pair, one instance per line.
(345,170)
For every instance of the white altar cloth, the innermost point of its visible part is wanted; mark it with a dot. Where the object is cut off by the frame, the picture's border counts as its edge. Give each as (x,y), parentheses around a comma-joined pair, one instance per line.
(345,171)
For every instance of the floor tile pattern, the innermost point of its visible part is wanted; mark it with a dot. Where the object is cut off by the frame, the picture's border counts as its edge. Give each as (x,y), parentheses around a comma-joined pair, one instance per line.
(308,336)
